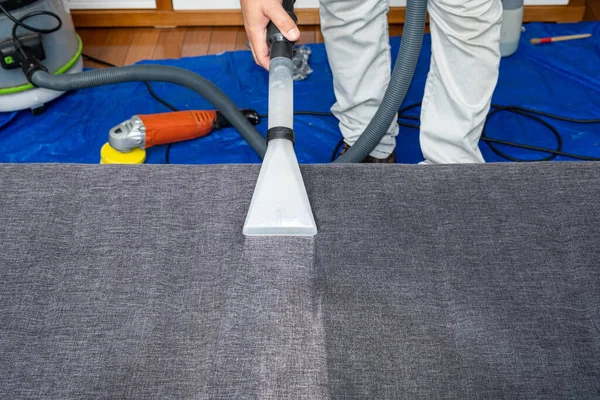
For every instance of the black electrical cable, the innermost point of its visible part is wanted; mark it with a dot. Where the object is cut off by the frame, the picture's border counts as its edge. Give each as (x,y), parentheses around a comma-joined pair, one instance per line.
(553,153)
(148,86)
(531,114)
(341,142)
(21,23)
(526,112)
(168,154)
(337,150)
(98,61)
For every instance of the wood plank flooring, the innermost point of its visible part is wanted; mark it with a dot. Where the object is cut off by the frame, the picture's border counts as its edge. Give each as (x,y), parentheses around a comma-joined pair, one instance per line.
(592,12)
(123,46)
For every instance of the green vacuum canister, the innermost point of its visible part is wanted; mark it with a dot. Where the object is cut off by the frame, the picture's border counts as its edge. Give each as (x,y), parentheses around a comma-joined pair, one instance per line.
(59,51)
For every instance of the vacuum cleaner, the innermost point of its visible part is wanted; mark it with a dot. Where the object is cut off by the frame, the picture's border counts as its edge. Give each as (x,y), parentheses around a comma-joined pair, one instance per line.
(52,39)
(280,204)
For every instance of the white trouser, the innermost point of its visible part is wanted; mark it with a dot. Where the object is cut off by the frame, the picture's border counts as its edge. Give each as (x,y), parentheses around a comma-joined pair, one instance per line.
(465,37)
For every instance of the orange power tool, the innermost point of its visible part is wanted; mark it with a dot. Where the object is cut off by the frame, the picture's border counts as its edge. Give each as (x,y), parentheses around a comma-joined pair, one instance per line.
(145,131)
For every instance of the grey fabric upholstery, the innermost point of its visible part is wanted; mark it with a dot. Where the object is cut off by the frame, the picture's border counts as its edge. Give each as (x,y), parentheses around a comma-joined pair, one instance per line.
(424,282)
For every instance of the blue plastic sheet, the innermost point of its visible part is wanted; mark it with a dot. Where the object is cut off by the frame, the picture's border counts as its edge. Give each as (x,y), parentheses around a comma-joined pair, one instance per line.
(560,78)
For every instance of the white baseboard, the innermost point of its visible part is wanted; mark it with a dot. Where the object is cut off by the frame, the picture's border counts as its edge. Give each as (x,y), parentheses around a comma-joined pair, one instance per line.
(235,4)
(113,4)
(546,2)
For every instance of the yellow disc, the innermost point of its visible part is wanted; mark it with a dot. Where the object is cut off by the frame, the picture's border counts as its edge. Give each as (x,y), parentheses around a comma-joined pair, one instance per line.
(108,155)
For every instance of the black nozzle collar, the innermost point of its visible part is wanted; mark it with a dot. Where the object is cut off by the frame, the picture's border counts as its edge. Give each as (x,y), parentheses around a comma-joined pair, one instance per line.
(279,132)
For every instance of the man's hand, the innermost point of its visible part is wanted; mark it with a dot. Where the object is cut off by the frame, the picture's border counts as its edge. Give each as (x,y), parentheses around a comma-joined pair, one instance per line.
(257,15)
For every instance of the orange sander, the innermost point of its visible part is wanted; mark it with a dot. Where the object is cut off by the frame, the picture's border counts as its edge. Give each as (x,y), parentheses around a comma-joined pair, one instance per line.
(129,140)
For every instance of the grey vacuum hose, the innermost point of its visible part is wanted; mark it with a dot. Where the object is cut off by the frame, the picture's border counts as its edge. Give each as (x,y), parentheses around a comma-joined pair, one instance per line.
(404,69)
(157,73)
(402,75)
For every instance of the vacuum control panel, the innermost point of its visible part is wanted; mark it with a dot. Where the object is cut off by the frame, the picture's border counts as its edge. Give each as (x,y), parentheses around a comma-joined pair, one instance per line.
(33,41)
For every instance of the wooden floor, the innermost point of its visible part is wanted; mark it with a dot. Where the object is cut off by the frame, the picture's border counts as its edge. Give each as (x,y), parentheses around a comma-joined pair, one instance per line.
(593,10)
(123,46)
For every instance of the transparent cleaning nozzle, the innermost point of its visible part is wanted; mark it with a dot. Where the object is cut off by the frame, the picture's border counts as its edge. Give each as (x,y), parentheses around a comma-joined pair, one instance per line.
(280,204)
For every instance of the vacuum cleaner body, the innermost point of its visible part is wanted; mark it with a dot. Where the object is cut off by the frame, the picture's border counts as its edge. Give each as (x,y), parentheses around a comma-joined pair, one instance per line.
(60,52)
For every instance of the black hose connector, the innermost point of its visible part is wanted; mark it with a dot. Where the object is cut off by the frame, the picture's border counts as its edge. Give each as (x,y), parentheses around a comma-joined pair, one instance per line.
(29,63)
(280,46)
(221,121)
(282,49)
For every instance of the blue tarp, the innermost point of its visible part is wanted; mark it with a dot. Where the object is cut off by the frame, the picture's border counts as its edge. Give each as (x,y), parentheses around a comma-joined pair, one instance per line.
(560,78)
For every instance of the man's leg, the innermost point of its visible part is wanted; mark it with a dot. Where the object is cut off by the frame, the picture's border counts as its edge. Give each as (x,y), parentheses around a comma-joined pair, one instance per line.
(356,39)
(465,37)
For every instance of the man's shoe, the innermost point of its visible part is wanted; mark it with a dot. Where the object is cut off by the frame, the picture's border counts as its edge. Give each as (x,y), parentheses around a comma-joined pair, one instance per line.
(391,159)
